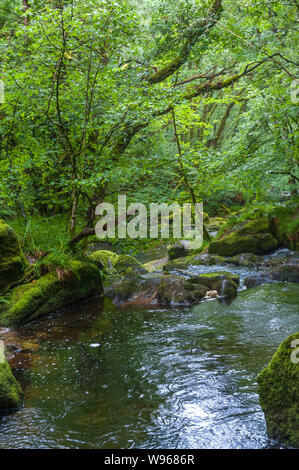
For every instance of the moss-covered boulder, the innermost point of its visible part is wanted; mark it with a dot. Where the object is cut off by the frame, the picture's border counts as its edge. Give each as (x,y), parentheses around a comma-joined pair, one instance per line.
(10,389)
(127,264)
(210,280)
(177,250)
(52,292)
(226,288)
(279,393)
(12,261)
(117,264)
(104,259)
(135,290)
(248,237)
(175,290)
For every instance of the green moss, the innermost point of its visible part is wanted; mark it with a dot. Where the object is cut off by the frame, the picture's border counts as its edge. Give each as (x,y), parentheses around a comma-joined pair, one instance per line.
(285,225)
(212,279)
(239,242)
(105,259)
(256,226)
(10,389)
(12,261)
(9,245)
(127,264)
(48,294)
(279,394)
(11,271)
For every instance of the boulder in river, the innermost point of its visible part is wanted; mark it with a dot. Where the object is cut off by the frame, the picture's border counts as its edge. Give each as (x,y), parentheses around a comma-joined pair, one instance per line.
(51,293)
(175,290)
(12,260)
(135,290)
(279,393)
(286,272)
(257,280)
(211,279)
(10,389)
(227,288)
(248,237)
(177,250)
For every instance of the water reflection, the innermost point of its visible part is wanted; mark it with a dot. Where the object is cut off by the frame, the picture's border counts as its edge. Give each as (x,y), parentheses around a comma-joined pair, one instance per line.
(156,378)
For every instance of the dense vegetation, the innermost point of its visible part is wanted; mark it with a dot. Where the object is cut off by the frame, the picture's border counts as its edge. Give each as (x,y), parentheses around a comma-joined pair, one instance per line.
(163,100)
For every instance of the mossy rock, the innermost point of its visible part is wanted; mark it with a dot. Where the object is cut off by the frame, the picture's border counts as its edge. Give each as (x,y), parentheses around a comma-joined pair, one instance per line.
(279,393)
(226,288)
(156,264)
(175,290)
(211,280)
(249,237)
(127,264)
(49,293)
(177,250)
(135,290)
(10,389)
(12,261)
(104,259)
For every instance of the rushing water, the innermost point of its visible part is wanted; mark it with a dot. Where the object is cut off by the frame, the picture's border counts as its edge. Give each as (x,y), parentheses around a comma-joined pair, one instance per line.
(150,378)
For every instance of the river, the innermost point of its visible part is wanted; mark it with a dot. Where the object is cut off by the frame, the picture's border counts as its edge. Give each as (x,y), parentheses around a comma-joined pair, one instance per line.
(108,377)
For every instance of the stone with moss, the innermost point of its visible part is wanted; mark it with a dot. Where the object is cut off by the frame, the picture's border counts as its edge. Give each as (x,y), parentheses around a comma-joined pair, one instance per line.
(210,280)
(278,386)
(177,250)
(226,288)
(104,259)
(156,264)
(135,290)
(10,389)
(12,261)
(78,281)
(248,237)
(175,290)
(127,264)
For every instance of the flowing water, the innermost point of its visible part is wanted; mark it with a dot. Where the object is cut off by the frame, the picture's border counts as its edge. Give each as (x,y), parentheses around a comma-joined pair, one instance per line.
(107,377)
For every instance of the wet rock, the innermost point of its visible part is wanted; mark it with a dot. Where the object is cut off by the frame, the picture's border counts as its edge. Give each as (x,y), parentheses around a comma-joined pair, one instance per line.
(227,288)
(211,280)
(286,272)
(258,280)
(135,290)
(278,387)
(245,259)
(175,290)
(177,250)
(10,389)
